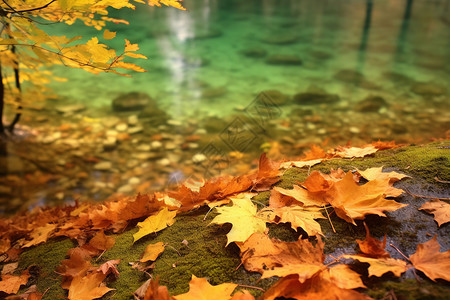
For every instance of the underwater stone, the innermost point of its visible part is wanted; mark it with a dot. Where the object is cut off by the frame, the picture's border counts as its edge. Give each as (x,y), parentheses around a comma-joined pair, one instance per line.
(349,76)
(68,109)
(428,89)
(280,39)
(273,97)
(214,92)
(284,59)
(371,104)
(198,158)
(254,52)
(311,98)
(132,101)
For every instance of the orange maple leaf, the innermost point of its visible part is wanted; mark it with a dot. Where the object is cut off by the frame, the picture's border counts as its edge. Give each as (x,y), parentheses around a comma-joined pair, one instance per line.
(88,287)
(273,257)
(430,261)
(10,284)
(152,251)
(200,289)
(440,210)
(336,285)
(352,201)
(372,247)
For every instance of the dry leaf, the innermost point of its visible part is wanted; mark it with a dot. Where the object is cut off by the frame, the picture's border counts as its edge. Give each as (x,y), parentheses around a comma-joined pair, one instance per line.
(243,217)
(88,287)
(200,289)
(10,284)
(440,210)
(372,247)
(110,267)
(155,223)
(351,152)
(380,266)
(40,235)
(152,251)
(151,290)
(430,261)
(297,216)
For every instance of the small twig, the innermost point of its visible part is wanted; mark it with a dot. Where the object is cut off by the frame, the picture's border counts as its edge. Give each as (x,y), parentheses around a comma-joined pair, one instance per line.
(334,230)
(251,287)
(210,209)
(426,197)
(398,250)
(239,266)
(100,255)
(440,180)
(179,254)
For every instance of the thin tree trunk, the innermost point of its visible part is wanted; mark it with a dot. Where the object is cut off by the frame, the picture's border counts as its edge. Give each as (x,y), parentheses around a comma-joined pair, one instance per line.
(3,137)
(17,79)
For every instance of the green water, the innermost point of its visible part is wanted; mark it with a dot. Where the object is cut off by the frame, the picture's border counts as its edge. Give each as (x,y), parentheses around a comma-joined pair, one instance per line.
(196,64)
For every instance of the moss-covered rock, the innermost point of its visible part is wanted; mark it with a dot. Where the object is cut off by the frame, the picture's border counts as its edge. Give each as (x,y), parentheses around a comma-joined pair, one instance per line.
(195,247)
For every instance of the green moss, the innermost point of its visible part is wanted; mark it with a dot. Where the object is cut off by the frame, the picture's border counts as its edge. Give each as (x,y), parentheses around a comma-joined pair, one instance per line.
(47,257)
(424,161)
(205,255)
(409,289)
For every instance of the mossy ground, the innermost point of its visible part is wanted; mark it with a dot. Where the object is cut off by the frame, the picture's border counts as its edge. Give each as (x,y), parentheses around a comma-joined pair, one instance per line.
(206,255)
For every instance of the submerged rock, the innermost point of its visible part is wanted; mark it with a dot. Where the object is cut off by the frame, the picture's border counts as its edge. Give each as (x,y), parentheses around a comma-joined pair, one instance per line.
(72,108)
(132,102)
(280,39)
(311,98)
(349,76)
(371,104)
(254,52)
(284,59)
(428,89)
(273,97)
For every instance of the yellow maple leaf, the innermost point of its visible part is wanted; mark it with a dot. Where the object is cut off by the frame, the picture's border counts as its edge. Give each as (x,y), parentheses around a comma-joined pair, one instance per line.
(201,289)
(430,261)
(243,216)
(88,287)
(155,223)
(152,251)
(40,235)
(440,210)
(380,266)
(297,216)
(377,173)
(10,284)
(174,3)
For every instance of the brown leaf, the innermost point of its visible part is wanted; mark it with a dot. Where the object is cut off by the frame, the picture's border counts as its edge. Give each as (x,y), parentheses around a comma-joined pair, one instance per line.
(373,247)
(109,267)
(430,261)
(440,210)
(10,284)
(273,257)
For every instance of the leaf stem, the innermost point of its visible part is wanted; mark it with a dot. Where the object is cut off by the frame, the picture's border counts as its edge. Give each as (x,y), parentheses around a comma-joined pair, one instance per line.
(328,216)
(398,250)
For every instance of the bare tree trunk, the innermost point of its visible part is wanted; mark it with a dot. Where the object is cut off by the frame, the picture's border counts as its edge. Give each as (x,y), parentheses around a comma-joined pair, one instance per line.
(17,79)
(3,137)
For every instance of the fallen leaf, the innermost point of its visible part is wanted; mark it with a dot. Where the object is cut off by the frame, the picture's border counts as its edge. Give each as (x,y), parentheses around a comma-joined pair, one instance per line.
(297,216)
(155,223)
(352,152)
(151,290)
(243,217)
(352,201)
(440,210)
(319,287)
(380,266)
(88,287)
(430,261)
(242,295)
(10,284)
(273,257)
(110,267)
(40,235)
(200,289)
(300,163)
(152,251)
(377,173)
(372,247)
(280,197)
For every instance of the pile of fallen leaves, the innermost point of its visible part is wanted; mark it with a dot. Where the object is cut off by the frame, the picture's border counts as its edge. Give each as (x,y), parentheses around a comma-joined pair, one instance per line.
(300,264)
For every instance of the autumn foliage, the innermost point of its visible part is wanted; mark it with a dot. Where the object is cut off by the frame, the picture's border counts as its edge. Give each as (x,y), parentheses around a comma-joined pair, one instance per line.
(299,264)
